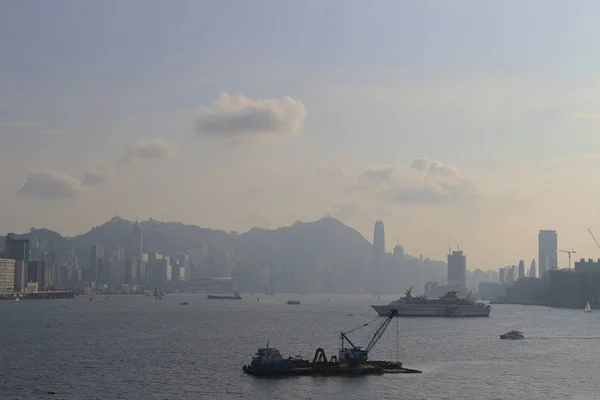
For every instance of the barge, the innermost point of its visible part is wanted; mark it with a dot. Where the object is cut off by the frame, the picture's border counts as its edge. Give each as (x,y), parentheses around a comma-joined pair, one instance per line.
(268,362)
(236,296)
(351,361)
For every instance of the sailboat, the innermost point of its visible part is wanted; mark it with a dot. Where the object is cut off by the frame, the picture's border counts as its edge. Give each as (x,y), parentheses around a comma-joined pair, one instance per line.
(587,307)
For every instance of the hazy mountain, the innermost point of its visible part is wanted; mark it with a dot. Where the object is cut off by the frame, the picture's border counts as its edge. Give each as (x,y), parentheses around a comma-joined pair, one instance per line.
(324,243)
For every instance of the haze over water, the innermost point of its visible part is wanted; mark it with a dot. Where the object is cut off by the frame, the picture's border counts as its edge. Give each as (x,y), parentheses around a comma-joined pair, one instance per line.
(133,347)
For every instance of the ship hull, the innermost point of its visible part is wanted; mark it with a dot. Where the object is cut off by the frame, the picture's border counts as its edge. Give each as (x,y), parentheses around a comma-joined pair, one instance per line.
(461,311)
(210,297)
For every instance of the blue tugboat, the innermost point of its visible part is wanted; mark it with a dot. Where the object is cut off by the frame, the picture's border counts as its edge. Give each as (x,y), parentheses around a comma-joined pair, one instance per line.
(268,360)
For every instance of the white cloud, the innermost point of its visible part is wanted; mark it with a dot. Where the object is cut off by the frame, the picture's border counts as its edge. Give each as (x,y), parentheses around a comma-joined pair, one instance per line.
(92,179)
(235,116)
(50,184)
(150,148)
(424,182)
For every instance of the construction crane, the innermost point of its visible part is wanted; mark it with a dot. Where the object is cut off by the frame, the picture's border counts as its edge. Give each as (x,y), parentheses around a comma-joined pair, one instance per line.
(593,237)
(458,246)
(569,252)
(357,354)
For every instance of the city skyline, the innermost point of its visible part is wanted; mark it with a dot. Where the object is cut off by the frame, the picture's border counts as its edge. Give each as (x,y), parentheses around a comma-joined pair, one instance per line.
(172,115)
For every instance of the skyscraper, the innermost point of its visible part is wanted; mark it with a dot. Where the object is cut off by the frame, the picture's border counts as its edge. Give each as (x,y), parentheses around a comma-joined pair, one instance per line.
(547,252)
(532,269)
(521,269)
(457,269)
(135,242)
(378,246)
(96,260)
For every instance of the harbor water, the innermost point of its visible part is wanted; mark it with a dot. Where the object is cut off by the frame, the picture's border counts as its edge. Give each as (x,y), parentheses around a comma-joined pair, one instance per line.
(136,347)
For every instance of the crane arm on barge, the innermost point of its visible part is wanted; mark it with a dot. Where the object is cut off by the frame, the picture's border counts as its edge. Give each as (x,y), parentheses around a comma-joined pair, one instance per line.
(357,354)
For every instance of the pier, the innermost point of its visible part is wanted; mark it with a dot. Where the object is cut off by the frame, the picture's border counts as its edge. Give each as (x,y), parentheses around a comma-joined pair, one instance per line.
(67,294)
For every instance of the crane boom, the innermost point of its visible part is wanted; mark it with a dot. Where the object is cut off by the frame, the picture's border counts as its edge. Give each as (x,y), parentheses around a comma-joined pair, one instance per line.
(357,354)
(593,237)
(569,252)
(381,330)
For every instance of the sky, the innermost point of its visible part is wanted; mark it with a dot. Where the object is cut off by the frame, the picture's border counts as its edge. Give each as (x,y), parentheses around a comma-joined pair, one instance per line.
(471,120)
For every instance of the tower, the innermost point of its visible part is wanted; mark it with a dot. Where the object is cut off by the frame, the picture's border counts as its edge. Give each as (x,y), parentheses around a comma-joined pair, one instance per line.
(378,245)
(457,269)
(521,269)
(532,269)
(135,242)
(547,251)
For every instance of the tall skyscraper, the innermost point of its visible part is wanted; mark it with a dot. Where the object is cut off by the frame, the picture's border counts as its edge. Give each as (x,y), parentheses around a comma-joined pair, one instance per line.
(457,269)
(96,260)
(378,245)
(532,269)
(36,273)
(521,269)
(135,242)
(547,251)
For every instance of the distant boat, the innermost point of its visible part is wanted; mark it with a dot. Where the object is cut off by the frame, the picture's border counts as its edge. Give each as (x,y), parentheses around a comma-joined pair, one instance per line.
(293,302)
(236,296)
(17,299)
(587,307)
(512,335)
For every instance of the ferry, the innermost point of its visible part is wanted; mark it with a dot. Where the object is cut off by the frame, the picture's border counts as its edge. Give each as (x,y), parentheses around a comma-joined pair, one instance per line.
(449,305)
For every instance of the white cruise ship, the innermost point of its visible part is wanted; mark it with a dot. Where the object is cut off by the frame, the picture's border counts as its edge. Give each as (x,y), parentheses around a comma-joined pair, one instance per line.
(449,305)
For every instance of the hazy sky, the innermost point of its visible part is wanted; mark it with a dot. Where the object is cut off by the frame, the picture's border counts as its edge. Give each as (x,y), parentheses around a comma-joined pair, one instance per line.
(472,119)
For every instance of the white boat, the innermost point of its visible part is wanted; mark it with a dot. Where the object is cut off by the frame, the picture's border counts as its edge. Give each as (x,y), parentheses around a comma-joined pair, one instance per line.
(449,305)
(587,307)
(17,299)
(515,335)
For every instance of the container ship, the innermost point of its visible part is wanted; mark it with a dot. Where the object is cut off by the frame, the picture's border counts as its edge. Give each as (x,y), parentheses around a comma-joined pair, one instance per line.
(449,305)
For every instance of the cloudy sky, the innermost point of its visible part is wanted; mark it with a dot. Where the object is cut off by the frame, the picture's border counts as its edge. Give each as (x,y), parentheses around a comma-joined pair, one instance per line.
(470,119)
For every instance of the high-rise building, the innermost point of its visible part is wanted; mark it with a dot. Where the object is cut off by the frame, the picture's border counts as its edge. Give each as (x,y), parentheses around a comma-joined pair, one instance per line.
(135,271)
(521,269)
(532,269)
(117,259)
(378,246)
(135,242)
(510,273)
(398,254)
(20,277)
(547,251)
(16,249)
(96,260)
(36,273)
(457,269)
(7,274)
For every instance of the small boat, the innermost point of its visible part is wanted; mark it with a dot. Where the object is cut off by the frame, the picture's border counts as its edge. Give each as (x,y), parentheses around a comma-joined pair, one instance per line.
(17,299)
(294,302)
(183,304)
(512,335)
(587,307)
